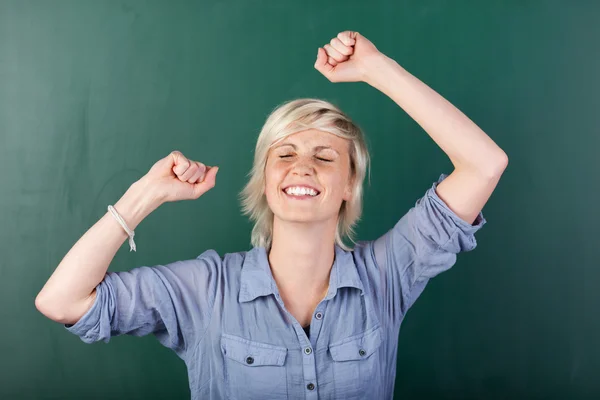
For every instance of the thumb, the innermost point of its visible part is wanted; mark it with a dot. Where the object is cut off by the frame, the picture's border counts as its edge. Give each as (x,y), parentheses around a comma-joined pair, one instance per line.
(207,183)
(321,64)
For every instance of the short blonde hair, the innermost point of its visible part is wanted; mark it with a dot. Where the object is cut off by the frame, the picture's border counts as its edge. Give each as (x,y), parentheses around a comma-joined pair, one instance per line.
(289,118)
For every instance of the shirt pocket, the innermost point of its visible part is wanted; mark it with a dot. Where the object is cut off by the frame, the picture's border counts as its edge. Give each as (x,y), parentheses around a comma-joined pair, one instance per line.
(253,369)
(354,363)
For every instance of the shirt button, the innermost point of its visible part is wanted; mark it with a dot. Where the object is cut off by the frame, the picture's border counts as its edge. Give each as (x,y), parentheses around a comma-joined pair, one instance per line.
(249,360)
(362,352)
(319,315)
(307,350)
(310,386)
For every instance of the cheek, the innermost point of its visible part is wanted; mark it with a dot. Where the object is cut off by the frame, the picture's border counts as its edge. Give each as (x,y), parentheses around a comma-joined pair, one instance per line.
(271,180)
(338,185)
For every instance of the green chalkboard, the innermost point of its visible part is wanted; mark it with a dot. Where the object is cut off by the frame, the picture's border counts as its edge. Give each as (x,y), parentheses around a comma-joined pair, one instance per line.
(92,93)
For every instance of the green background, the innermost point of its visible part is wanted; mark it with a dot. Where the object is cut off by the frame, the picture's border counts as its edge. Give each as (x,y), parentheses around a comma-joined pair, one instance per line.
(92,93)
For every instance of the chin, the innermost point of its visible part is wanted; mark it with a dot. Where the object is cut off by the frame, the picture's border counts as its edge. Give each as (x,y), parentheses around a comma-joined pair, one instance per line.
(303,216)
(298,217)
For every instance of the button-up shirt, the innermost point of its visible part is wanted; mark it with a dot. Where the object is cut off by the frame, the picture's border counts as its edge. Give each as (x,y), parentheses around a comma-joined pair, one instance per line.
(224,316)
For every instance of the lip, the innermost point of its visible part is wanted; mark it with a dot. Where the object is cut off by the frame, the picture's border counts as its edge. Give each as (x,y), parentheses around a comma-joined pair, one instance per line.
(302,185)
(305,197)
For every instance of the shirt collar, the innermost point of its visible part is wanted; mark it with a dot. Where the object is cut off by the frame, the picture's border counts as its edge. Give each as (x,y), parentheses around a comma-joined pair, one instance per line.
(257,279)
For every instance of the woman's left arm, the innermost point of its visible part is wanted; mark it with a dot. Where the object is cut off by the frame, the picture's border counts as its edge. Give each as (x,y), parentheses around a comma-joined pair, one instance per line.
(478,161)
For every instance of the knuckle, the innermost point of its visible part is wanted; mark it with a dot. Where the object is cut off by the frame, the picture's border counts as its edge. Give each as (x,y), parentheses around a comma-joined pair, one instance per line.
(347,37)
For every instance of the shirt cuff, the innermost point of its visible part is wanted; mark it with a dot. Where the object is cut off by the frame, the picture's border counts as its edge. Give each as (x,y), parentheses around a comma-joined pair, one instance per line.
(88,326)
(466,229)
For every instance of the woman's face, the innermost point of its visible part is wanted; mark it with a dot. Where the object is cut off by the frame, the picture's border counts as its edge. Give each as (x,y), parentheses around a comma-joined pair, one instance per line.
(308,176)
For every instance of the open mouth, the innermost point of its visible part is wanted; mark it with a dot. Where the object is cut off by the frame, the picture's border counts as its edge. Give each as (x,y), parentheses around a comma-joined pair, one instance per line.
(301,193)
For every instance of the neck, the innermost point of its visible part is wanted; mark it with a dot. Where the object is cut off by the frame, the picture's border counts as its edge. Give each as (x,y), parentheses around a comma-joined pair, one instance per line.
(301,257)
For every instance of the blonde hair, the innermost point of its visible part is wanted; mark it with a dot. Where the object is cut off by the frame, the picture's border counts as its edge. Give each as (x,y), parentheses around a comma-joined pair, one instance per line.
(289,118)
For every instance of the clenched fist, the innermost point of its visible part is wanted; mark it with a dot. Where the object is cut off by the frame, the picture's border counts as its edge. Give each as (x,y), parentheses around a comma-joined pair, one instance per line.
(176,177)
(348,57)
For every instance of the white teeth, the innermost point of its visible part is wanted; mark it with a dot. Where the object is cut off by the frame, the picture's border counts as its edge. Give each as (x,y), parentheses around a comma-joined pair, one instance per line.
(300,191)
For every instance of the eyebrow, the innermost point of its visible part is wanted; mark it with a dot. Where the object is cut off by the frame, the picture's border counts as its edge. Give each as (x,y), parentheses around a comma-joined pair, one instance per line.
(316,148)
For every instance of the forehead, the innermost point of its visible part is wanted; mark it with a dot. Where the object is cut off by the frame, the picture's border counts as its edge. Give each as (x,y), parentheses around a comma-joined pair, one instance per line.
(314,138)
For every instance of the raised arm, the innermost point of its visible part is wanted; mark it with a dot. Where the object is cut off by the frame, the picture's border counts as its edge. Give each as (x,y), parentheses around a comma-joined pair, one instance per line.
(478,161)
(70,291)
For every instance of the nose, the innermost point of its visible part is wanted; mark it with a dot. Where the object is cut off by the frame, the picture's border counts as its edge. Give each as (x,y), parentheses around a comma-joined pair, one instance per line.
(303,168)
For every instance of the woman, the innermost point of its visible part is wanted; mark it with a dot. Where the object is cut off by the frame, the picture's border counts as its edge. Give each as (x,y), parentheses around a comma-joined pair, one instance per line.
(300,315)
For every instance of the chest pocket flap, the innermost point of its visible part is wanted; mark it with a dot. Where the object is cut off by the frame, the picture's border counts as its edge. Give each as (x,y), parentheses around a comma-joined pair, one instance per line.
(357,347)
(251,353)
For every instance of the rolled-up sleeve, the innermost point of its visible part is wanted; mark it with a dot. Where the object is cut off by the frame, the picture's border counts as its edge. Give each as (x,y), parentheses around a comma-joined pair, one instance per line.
(174,302)
(422,244)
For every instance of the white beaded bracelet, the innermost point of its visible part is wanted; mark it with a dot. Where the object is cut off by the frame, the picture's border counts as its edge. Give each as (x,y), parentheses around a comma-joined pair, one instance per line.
(130,233)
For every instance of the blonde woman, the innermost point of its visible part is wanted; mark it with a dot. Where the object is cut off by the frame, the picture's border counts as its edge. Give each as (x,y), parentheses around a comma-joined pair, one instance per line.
(301,314)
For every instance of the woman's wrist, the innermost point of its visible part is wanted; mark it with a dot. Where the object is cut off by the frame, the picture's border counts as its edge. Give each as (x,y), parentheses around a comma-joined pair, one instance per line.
(136,204)
(379,71)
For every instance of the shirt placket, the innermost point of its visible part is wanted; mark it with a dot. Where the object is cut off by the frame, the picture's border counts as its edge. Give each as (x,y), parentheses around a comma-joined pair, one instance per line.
(309,367)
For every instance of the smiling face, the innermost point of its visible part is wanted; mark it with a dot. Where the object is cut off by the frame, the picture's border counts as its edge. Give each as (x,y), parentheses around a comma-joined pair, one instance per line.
(307,176)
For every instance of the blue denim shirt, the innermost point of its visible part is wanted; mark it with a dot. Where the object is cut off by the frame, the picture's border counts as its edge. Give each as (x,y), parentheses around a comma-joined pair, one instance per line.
(225,318)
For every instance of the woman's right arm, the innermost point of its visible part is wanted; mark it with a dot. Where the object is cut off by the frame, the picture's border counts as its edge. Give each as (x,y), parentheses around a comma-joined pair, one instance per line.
(70,291)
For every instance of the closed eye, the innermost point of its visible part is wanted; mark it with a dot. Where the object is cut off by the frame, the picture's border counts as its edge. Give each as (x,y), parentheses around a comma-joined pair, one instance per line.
(318,158)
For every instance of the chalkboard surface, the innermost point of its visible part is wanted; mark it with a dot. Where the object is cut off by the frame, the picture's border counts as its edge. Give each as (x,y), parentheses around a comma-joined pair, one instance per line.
(92,93)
